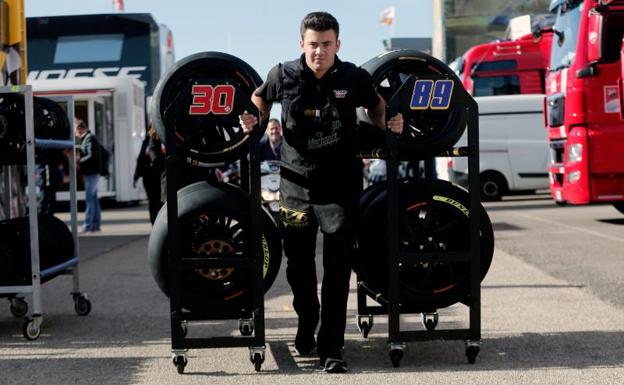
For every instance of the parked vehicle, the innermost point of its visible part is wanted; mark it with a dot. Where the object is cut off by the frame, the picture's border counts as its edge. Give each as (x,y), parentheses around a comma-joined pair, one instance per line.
(114,110)
(269,187)
(583,106)
(507,80)
(513,146)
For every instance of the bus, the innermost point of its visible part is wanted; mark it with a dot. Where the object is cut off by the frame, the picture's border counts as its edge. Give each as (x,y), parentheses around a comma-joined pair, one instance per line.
(111,64)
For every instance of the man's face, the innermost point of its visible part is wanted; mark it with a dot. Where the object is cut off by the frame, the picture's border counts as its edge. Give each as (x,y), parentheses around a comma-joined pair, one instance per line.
(320,49)
(274,131)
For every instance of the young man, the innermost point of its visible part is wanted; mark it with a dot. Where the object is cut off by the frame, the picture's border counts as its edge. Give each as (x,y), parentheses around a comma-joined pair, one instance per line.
(320,176)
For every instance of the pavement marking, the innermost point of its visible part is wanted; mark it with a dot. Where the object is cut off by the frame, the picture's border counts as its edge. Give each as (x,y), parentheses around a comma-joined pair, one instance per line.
(582,230)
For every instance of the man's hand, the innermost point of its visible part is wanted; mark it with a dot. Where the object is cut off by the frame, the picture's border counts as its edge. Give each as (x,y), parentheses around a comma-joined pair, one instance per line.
(247,122)
(395,124)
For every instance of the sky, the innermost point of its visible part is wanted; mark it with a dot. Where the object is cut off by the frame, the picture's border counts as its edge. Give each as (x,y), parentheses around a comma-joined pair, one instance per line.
(262,32)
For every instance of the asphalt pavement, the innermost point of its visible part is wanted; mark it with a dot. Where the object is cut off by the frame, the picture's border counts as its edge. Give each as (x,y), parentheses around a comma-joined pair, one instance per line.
(539,325)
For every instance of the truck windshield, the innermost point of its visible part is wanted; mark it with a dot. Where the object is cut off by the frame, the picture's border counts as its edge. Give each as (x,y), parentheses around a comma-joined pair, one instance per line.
(566,34)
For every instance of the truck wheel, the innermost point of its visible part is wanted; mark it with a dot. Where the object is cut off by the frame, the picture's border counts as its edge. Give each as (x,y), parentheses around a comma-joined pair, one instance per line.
(493,187)
(619,207)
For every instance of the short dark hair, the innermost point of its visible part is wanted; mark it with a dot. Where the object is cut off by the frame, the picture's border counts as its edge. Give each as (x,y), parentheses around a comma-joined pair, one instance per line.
(274,120)
(319,22)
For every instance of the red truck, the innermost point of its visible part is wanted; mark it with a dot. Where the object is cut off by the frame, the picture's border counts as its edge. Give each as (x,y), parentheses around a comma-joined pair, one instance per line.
(507,67)
(585,130)
(507,80)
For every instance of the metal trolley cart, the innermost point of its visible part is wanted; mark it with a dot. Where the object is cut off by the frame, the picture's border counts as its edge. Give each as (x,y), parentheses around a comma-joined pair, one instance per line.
(221,73)
(32,325)
(426,251)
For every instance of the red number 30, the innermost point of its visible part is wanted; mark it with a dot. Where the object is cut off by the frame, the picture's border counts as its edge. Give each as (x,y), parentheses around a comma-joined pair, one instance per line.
(206,99)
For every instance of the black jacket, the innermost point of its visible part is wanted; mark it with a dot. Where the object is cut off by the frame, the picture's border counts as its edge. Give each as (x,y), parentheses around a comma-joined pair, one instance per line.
(89,148)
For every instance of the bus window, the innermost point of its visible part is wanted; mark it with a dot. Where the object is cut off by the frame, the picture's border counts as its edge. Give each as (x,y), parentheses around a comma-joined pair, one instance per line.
(88,48)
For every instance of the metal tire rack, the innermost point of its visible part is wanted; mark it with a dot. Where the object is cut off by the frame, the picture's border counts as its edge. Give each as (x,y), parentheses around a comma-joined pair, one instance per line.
(391,306)
(31,328)
(251,321)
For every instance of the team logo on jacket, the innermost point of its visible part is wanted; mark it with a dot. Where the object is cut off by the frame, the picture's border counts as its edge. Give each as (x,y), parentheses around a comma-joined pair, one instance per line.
(340,94)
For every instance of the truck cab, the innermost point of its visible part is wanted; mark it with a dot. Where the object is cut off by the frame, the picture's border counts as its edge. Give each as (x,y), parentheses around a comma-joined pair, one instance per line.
(583,104)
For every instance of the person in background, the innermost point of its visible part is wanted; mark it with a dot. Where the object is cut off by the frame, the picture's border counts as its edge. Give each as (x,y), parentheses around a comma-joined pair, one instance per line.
(88,159)
(271,142)
(150,166)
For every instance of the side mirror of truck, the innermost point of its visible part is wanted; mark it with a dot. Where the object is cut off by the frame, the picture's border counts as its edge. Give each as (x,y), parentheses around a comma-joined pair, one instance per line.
(594,46)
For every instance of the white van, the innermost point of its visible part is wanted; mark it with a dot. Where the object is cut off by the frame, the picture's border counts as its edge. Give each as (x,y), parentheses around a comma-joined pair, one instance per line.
(513,146)
(114,109)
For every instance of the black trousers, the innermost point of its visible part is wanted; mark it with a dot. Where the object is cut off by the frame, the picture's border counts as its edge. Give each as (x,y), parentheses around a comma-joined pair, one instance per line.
(151,184)
(300,250)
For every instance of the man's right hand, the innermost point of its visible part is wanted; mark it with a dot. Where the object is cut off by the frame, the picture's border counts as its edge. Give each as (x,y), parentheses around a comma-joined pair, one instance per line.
(247,121)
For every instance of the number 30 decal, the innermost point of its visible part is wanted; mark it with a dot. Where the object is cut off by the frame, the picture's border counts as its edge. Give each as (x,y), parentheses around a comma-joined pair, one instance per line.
(429,94)
(206,99)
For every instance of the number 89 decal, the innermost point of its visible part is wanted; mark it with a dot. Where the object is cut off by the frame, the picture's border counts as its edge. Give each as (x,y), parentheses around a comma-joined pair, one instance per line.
(434,95)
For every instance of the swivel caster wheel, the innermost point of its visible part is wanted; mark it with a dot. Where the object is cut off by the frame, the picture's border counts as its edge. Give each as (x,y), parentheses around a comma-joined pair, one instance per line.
(472,351)
(396,353)
(256,356)
(395,356)
(31,329)
(19,307)
(180,362)
(246,327)
(430,320)
(82,305)
(365,324)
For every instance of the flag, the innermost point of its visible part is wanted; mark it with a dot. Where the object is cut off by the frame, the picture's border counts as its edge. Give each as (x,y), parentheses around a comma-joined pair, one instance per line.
(118,5)
(387,16)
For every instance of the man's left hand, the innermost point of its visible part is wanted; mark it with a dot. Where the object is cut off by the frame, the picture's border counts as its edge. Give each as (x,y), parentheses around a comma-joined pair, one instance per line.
(395,124)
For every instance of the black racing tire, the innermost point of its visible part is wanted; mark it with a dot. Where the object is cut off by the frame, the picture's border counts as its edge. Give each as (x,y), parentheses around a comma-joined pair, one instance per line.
(213,216)
(49,119)
(434,215)
(53,123)
(207,138)
(368,195)
(427,132)
(56,245)
(493,186)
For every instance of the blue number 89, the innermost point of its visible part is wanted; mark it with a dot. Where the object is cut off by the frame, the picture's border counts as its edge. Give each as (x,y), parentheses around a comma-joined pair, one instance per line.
(430,94)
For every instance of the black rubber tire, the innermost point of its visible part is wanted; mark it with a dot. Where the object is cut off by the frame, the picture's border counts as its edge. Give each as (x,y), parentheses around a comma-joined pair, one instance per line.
(56,245)
(446,220)
(439,129)
(197,141)
(369,195)
(49,119)
(198,205)
(619,206)
(493,186)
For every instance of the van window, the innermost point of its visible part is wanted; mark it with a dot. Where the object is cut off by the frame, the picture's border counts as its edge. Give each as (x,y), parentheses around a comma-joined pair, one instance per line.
(496,85)
(500,65)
